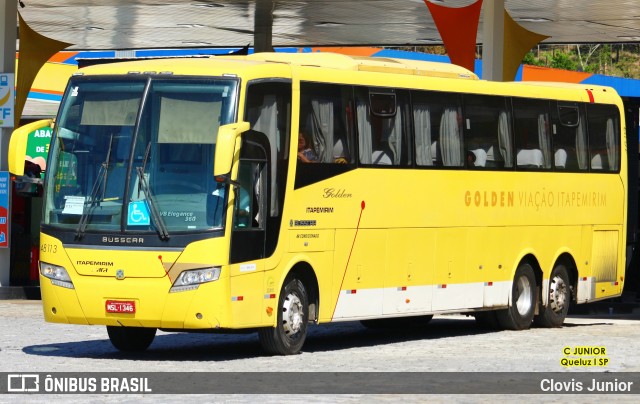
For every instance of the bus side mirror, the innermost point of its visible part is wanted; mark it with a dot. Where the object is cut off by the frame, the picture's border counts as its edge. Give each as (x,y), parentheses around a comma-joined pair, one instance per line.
(228,136)
(29,143)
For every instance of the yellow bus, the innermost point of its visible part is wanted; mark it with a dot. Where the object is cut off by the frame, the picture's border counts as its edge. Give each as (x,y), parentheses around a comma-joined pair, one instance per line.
(270,191)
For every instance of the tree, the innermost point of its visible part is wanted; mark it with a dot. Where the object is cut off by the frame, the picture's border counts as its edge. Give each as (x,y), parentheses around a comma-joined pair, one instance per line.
(530,59)
(590,51)
(562,61)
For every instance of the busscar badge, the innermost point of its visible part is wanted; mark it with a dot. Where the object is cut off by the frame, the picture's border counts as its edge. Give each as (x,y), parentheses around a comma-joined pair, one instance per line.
(120,274)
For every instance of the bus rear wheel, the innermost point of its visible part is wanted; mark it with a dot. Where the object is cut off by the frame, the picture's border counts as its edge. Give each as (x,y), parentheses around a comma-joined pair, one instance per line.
(519,315)
(131,339)
(558,299)
(290,332)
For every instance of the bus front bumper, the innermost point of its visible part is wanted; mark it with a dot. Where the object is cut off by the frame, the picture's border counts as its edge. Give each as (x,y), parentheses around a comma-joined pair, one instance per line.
(150,298)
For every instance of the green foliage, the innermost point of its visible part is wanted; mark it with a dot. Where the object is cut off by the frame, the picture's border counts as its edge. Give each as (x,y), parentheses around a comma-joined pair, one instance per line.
(530,59)
(563,61)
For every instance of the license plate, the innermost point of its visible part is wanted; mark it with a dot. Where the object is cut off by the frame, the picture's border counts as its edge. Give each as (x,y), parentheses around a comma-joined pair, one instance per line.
(120,306)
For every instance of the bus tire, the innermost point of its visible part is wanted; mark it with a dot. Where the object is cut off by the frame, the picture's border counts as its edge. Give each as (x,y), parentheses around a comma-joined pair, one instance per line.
(290,332)
(131,339)
(559,299)
(519,315)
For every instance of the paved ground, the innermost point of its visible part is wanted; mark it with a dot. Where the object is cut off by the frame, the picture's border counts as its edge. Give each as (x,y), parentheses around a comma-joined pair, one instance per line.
(447,344)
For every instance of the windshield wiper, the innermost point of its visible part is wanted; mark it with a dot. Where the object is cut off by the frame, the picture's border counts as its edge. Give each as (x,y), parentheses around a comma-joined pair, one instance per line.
(92,202)
(153,206)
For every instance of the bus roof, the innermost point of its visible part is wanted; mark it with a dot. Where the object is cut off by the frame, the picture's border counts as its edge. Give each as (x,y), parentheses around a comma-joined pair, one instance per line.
(369,64)
(324,60)
(282,64)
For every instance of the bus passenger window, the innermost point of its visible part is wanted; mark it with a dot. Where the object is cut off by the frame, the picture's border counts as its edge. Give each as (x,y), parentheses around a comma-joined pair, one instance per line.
(487,126)
(437,129)
(604,137)
(569,136)
(381,129)
(532,134)
(268,110)
(324,113)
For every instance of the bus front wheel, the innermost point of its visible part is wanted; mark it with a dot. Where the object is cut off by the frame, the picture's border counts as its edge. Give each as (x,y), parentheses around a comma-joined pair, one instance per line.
(558,299)
(131,339)
(290,332)
(519,315)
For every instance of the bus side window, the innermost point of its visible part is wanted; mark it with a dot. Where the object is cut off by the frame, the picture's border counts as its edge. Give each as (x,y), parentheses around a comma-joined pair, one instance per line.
(487,126)
(382,134)
(568,129)
(604,137)
(532,134)
(268,111)
(323,115)
(437,124)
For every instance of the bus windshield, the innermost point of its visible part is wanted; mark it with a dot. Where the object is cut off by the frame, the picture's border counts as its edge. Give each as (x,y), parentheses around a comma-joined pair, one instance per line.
(137,155)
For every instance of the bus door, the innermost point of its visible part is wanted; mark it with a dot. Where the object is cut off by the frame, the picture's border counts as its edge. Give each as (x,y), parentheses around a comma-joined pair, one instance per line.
(251,201)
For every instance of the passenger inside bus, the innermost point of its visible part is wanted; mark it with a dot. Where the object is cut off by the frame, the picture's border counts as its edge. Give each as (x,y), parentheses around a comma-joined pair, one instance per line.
(306,154)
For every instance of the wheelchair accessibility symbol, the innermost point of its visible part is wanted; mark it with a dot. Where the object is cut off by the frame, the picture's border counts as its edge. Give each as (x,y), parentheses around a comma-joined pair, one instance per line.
(138,214)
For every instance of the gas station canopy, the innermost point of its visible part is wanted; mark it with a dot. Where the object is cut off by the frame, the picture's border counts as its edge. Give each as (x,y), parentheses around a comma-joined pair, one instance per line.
(137,24)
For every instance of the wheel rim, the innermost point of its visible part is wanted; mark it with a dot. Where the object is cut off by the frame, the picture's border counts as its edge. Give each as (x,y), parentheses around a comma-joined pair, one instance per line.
(558,294)
(292,315)
(523,291)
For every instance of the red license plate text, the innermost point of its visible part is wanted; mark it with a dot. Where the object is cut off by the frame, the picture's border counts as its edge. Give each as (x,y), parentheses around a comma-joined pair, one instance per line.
(120,306)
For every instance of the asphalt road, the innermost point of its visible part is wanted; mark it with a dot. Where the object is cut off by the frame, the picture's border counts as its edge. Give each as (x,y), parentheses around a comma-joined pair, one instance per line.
(448,344)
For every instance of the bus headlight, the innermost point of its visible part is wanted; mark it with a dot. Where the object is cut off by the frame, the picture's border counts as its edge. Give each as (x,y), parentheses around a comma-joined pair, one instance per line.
(58,275)
(189,280)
